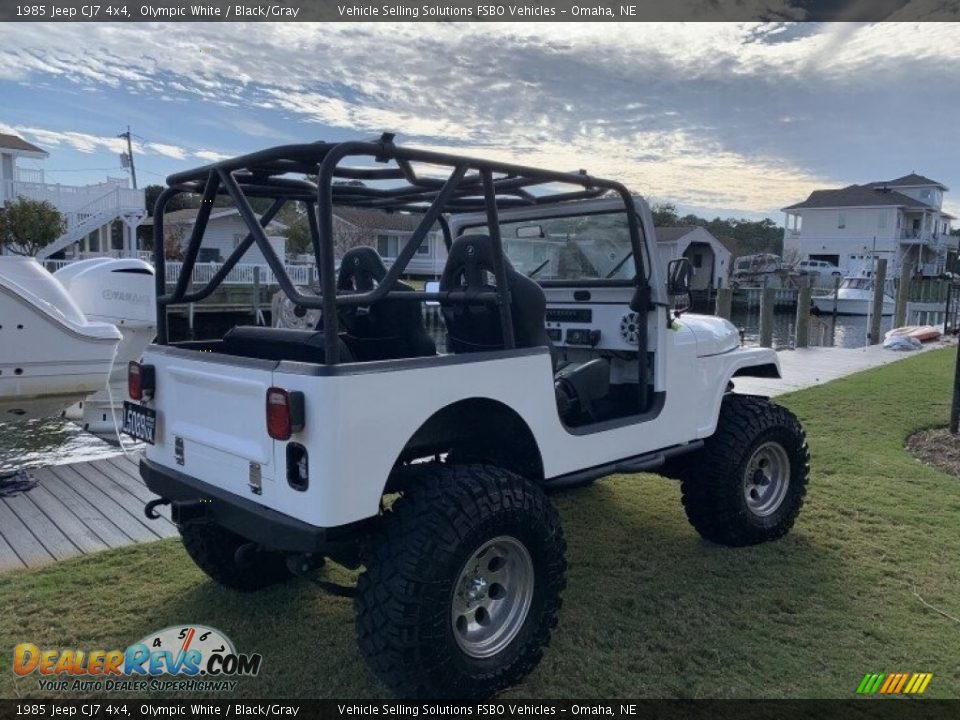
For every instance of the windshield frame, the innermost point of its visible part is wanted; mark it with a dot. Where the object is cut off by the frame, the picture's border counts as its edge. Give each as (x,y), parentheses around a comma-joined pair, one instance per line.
(641,258)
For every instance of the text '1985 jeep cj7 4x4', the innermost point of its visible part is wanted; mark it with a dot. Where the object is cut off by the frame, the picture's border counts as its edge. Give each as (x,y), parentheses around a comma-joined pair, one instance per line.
(362,442)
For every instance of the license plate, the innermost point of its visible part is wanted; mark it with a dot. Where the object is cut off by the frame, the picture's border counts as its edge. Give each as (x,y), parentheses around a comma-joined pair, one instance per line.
(139,422)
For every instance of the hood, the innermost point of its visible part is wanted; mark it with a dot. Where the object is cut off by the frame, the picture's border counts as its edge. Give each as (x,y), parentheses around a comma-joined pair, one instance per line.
(714,335)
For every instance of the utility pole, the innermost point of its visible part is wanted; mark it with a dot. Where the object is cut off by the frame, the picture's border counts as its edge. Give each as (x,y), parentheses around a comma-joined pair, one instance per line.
(129,156)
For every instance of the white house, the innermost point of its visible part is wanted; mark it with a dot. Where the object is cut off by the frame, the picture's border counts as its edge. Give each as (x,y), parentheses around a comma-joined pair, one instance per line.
(225,231)
(388,232)
(90,211)
(901,220)
(710,258)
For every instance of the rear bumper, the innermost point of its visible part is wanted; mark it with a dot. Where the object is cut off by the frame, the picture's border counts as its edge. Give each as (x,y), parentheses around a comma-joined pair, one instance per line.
(193,500)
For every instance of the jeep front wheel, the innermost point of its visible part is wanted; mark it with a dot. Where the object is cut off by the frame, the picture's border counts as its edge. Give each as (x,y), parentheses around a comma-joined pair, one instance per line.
(463,587)
(748,481)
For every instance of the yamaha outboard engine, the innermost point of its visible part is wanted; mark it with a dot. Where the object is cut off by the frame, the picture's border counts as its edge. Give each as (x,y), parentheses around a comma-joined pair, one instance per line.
(120,291)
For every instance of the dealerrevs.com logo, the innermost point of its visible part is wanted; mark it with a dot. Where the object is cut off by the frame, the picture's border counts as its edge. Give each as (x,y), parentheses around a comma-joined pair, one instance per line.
(894,683)
(186,658)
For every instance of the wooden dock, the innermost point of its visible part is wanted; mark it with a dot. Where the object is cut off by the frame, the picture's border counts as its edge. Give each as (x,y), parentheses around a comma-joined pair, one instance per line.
(56,512)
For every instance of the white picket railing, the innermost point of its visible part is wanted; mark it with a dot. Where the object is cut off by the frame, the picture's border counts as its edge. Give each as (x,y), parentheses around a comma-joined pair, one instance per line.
(73,198)
(240,274)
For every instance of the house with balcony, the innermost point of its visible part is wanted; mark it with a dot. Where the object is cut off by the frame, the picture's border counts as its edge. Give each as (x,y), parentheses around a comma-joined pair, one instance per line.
(901,220)
(100,219)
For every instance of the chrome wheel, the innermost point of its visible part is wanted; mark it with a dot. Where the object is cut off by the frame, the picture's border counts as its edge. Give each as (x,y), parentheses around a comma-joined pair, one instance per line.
(492,596)
(766,479)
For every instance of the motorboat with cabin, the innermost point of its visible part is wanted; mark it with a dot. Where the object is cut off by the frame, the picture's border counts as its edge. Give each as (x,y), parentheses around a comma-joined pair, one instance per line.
(62,336)
(853,297)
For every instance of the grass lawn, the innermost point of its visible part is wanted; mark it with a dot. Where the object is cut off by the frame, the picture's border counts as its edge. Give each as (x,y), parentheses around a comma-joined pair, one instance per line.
(650,609)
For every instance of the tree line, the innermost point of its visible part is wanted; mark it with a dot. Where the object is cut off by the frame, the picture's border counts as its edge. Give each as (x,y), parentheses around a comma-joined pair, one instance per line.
(742,236)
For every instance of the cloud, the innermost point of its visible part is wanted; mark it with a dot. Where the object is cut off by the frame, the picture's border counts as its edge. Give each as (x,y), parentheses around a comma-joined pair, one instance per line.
(720,116)
(210,155)
(81,142)
(86,143)
(170,151)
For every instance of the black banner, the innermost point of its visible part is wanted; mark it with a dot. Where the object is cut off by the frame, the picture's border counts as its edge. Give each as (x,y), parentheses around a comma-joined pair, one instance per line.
(164,11)
(109,709)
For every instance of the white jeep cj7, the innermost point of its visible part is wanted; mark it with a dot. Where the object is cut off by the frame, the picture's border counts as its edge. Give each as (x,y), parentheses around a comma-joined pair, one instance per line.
(362,441)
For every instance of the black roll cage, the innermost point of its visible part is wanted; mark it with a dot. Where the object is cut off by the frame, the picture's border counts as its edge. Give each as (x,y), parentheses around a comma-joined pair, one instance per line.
(472,185)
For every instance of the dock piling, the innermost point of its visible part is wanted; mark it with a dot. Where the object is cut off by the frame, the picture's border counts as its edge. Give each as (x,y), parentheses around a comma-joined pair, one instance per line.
(767,301)
(879,281)
(724,303)
(803,317)
(256,295)
(903,295)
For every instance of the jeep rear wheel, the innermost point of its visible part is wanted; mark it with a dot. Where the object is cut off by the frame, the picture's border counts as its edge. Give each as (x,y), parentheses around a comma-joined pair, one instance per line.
(747,484)
(463,586)
(214,550)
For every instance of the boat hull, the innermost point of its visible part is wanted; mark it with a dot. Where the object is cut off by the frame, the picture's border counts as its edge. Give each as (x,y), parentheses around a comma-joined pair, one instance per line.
(51,356)
(850,306)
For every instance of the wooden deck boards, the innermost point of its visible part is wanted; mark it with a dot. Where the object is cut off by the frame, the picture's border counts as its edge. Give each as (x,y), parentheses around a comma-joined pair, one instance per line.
(56,512)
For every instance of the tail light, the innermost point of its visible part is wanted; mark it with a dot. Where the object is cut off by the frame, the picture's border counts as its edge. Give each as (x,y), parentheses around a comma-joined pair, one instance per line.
(284,413)
(141,381)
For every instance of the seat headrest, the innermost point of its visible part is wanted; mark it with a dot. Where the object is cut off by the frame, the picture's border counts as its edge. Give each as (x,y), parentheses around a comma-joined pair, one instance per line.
(470,256)
(360,268)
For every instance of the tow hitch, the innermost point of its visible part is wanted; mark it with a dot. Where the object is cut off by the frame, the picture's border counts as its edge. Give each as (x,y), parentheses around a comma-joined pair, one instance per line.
(187,511)
(150,509)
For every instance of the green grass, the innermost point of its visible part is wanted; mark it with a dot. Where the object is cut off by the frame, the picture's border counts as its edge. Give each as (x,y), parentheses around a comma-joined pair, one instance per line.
(650,609)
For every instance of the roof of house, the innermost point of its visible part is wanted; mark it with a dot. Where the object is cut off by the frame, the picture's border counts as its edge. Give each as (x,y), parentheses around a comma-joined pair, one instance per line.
(859,196)
(14,142)
(672,234)
(188,216)
(911,180)
(376,219)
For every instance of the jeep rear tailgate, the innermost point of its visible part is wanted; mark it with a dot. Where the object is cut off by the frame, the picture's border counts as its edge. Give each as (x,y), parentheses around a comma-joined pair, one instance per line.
(211,420)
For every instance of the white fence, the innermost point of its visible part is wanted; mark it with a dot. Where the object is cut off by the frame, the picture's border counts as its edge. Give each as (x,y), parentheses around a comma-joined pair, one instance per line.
(926,313)
(73,198)
(240,274)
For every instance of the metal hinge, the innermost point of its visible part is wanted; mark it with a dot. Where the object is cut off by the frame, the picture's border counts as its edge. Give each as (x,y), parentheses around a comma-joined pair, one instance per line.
(256,481)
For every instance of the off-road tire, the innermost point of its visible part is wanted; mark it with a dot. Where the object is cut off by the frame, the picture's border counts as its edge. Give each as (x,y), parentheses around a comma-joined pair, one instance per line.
(213,549)
(712,479)
(405,597)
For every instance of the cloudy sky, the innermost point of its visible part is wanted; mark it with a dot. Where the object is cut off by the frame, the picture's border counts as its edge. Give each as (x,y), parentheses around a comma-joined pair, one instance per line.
(718,118)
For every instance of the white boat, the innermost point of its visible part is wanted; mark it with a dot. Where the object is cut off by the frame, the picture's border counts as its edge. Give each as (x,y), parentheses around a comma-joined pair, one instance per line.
(51,355)
(854,297)
(121,292)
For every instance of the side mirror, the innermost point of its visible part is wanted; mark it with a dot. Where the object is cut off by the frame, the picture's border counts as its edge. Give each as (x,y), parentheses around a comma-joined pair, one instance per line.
(432,287)
(679,275)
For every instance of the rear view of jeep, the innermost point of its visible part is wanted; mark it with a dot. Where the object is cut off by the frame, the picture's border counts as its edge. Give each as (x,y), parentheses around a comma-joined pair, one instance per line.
(425,459)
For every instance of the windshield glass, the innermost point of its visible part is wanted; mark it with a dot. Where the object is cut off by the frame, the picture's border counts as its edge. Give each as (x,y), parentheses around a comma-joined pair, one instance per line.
(857,284)
(574,247)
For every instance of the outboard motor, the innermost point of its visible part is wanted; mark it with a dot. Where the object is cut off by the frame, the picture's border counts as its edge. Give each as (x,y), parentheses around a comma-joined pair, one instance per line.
(119,291)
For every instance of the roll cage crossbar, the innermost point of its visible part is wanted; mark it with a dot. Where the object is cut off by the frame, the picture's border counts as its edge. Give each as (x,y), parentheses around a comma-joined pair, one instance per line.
(471,185)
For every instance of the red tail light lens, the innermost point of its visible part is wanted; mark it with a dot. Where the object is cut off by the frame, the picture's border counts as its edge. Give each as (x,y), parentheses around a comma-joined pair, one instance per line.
(141,381)
(278,414)
(284,413)
(135,381)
